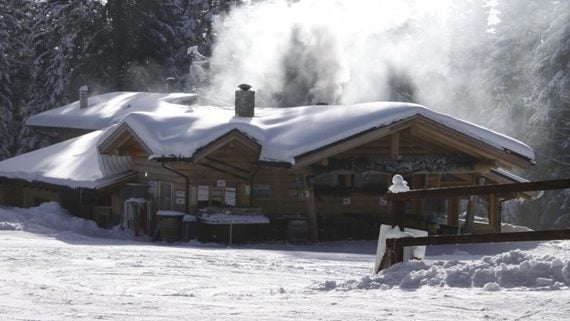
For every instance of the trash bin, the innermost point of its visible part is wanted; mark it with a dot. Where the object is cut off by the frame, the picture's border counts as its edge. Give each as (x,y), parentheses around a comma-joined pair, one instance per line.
(189,228)
(170,224)
(297,231)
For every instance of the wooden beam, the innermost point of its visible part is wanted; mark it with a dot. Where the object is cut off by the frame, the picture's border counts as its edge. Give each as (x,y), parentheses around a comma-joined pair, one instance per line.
(480,190)
(395,145)
(495,212)
(246,179)
(453,211)
(485,238)
(237,168)
(398,213)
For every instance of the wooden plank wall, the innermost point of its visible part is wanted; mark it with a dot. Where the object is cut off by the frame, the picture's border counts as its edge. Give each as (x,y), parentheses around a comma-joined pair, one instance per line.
(31,196)
(11,195)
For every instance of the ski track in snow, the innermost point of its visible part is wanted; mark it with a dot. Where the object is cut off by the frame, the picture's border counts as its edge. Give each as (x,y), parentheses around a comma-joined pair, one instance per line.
(65,275)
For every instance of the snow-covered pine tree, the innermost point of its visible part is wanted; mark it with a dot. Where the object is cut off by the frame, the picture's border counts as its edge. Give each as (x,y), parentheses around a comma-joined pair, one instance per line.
(195,27)
(7,22)
(69,40)
(517,35)
(150,41)
(550,120)
(469,48)
(15,16)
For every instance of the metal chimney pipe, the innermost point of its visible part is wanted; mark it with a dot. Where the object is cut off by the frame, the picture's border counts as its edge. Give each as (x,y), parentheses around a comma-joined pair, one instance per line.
(83,96)
(245,101)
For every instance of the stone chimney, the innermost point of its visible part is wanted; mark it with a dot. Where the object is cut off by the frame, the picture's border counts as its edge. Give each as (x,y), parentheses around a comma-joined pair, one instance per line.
(83,96)
(245,101)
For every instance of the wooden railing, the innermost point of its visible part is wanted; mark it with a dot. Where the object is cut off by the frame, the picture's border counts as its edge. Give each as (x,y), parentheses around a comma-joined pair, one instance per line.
(395,247)
(398,200)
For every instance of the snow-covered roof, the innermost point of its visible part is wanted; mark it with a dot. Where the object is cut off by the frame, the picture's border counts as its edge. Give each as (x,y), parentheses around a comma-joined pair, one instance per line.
(110,108)
(285,133)
(73,163)
(168,129)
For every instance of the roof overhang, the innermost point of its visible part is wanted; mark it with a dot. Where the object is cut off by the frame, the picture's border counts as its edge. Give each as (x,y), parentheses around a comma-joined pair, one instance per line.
(101,186)
(426,129)
(350,143)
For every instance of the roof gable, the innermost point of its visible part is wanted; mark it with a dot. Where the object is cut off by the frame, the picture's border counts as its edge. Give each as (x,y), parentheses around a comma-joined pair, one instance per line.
(233,136)
(122,137)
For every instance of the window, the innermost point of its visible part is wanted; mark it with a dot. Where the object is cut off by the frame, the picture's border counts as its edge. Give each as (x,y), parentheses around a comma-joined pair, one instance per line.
(262,191)
(219,196)
(165,198)
(203,196)
(230,196)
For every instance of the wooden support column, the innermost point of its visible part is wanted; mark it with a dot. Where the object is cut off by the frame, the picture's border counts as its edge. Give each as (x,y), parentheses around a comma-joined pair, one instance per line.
(395,249)
(453,211)
(472,205)
(398,214)
(495,212)
(311,211)
(419,181)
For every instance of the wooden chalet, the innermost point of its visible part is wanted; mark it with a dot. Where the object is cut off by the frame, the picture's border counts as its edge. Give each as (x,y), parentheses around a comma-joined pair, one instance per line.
(328,166)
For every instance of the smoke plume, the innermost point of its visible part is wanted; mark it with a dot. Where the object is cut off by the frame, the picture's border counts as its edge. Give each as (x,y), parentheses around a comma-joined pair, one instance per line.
(342,51)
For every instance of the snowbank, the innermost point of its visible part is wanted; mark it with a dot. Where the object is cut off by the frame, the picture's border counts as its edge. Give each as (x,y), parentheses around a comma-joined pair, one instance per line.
(50,218)
(513,269)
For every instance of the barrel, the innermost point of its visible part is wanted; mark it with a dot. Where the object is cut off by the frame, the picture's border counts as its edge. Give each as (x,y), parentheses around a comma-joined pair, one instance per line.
(170,228)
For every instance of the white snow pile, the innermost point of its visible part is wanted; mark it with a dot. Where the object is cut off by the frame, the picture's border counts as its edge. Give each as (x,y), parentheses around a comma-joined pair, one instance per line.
(510,228)
(50,218)
(10,226)
(513,269)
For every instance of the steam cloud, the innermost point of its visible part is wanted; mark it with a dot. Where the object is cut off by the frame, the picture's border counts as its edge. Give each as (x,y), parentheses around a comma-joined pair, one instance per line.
(340,51)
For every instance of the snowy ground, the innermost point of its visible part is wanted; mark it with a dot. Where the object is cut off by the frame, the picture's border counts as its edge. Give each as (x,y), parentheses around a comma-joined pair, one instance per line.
(55,267)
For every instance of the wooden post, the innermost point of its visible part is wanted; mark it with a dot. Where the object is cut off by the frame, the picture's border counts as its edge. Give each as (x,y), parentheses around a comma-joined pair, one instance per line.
(453,211)
(395,251)
(495,213)
(311,211)
(399,213)
(231,234)
(418,181)
(472,206)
